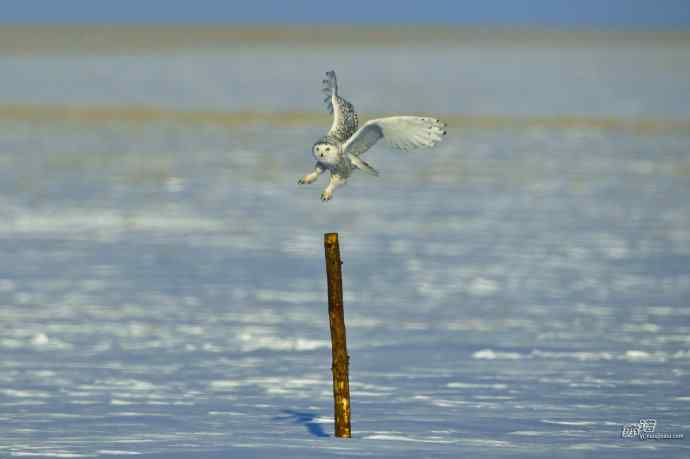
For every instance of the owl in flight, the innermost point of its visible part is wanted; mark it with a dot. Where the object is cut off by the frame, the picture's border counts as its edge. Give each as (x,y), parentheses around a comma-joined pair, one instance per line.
(341,149)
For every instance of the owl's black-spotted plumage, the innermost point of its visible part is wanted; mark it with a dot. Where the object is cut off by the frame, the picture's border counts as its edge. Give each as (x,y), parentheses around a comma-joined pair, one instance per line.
(345,120)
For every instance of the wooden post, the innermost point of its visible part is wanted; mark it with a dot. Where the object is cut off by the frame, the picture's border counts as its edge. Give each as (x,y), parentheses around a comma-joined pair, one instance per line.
(340,368)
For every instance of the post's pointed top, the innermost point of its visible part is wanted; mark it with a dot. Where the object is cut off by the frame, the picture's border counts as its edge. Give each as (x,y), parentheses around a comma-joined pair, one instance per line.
(330,238)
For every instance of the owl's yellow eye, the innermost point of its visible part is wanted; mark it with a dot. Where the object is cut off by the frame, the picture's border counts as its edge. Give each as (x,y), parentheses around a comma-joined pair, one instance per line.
(328,148)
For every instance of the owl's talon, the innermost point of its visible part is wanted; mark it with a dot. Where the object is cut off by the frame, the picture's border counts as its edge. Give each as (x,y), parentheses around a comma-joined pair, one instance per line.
(307,179)
(326,196)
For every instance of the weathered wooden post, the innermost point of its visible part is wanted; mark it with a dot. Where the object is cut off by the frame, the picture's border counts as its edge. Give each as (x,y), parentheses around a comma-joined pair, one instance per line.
(341,378)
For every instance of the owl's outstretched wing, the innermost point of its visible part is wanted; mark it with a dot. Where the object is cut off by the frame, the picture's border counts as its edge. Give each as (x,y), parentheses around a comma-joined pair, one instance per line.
(403,132)
(344,116)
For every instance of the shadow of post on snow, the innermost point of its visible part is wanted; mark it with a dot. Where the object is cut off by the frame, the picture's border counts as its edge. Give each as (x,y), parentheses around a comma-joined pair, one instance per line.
(308,420)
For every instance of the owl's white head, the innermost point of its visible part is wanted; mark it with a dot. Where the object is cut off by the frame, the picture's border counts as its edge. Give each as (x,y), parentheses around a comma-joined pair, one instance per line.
(326,153)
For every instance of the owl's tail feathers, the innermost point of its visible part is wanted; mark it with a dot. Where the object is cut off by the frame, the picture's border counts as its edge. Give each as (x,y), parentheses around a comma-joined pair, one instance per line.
(362,165)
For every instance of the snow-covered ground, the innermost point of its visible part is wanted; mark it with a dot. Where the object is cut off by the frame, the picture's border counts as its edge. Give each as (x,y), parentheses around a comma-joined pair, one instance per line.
(514,292)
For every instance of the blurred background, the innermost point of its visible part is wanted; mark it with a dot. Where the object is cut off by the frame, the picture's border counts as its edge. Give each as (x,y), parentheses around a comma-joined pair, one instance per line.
(521,289)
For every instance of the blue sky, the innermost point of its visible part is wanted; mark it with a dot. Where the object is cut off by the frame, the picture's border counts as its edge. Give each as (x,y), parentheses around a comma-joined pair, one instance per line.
(567,13)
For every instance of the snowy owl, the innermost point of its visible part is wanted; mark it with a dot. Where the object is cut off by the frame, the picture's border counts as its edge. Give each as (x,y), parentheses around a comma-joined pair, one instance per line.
(341,149)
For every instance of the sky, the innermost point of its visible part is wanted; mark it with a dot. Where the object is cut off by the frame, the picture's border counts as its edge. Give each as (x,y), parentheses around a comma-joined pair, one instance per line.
(645,14)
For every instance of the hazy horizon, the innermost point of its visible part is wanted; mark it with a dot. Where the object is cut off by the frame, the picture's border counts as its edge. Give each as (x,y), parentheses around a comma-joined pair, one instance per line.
(638,14)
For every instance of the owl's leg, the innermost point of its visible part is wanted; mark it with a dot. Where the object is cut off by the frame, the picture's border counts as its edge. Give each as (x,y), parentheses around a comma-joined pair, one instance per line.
(334,183)
(311,177)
